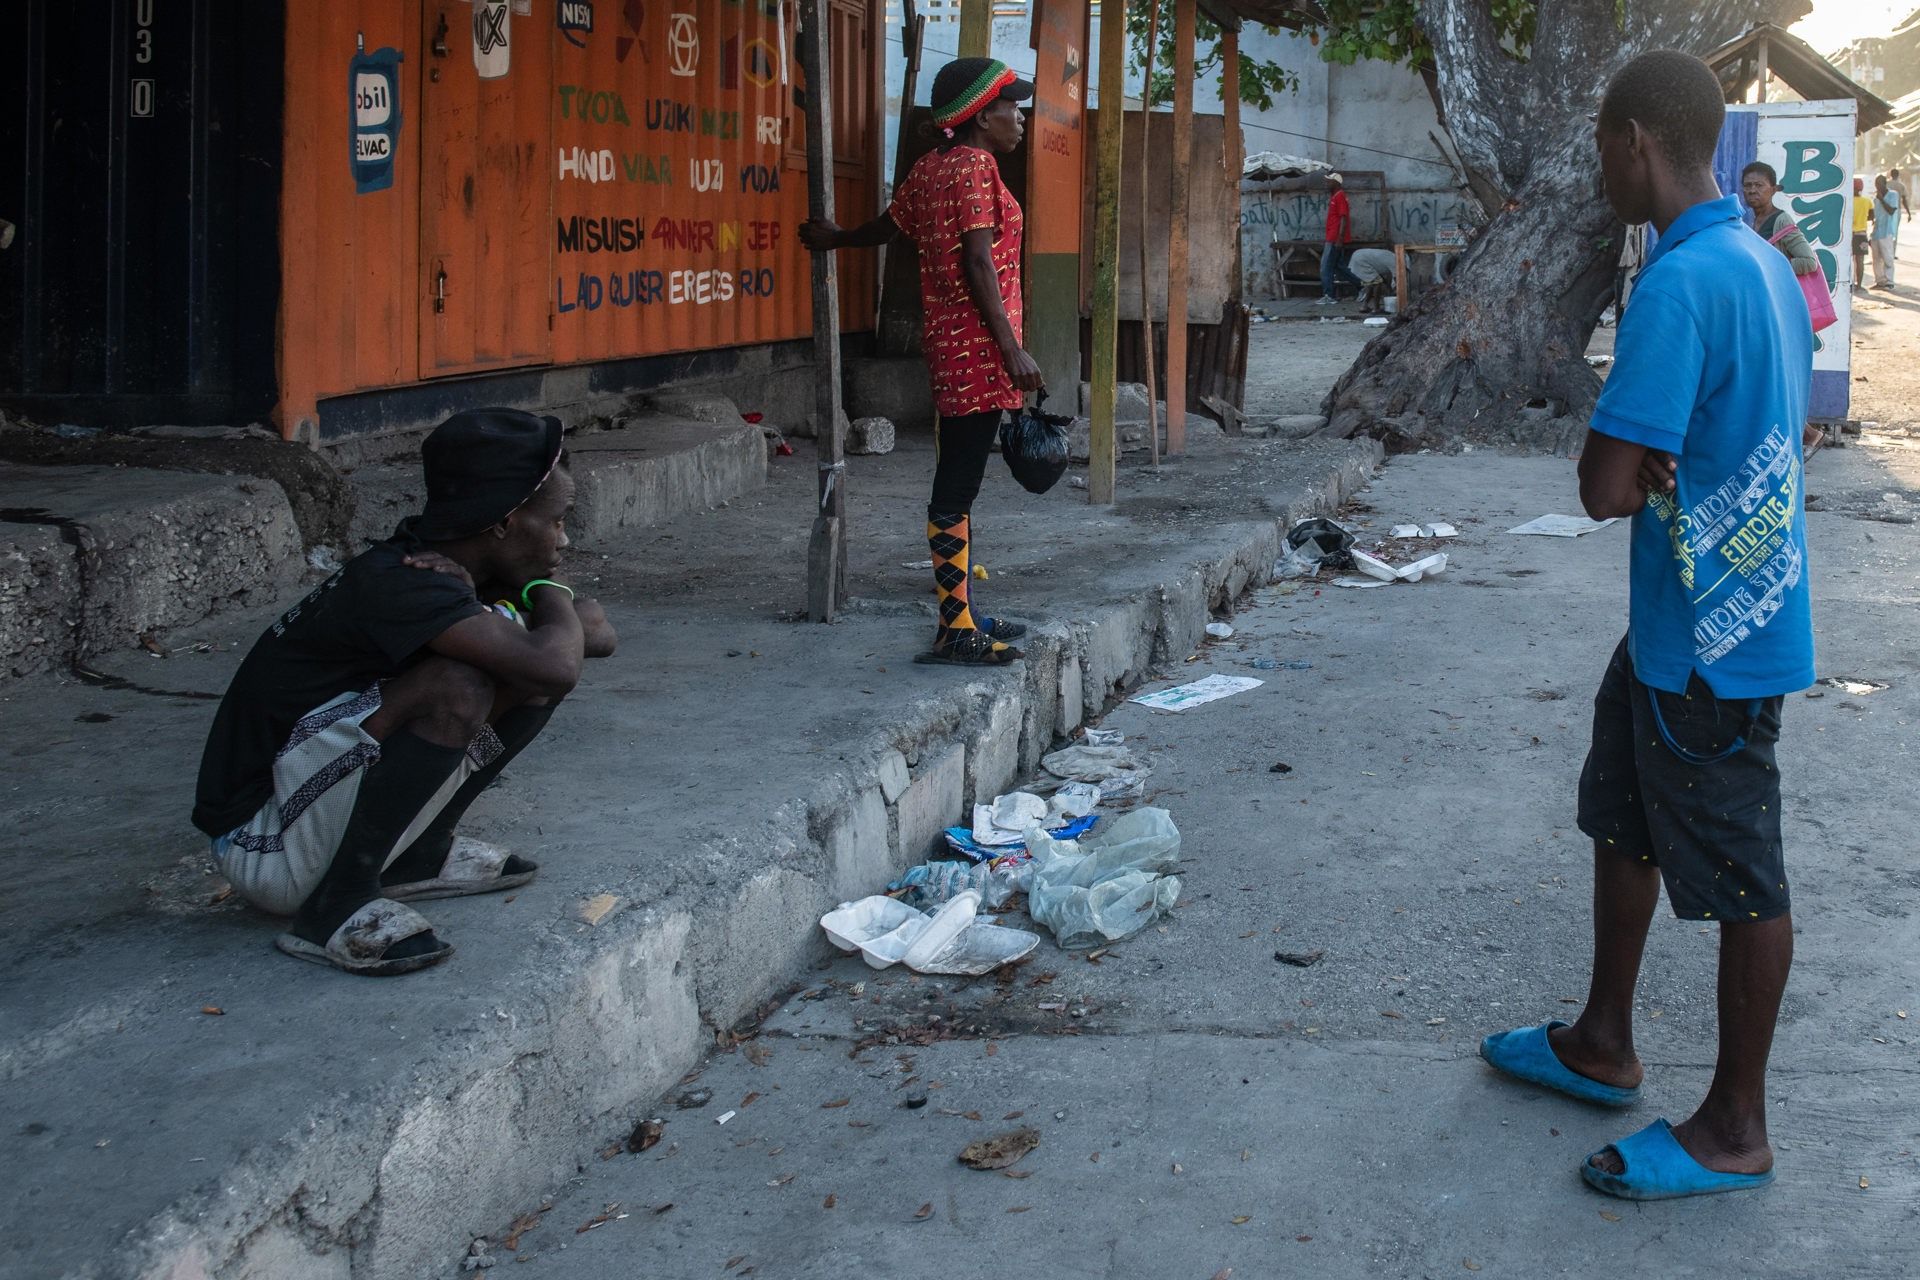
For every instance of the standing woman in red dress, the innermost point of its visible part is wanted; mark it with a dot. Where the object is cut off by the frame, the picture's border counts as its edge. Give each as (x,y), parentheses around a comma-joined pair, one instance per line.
(967,227)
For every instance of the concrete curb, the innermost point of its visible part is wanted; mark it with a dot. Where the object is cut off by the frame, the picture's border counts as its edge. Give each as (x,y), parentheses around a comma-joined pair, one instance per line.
(397,1183)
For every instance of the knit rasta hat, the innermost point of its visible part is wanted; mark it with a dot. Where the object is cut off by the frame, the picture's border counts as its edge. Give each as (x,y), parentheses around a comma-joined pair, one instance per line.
(966,85)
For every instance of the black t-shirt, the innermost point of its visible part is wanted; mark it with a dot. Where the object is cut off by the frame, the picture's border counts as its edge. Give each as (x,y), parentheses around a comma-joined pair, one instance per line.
(368,622)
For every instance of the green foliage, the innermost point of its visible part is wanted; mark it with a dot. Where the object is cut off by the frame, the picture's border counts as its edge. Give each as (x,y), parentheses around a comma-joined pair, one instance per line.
(1389,30)
(1383,30)
(1261,79)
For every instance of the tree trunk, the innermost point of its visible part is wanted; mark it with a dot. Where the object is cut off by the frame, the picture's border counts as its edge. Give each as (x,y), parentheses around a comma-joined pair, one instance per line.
(1498,353)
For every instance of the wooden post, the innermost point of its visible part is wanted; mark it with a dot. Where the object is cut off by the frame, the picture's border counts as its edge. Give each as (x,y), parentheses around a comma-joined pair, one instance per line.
(827,546)
(1179,243)
(1146,227)
(1760,81)
(1106,247)
(1231,149)
(976,28)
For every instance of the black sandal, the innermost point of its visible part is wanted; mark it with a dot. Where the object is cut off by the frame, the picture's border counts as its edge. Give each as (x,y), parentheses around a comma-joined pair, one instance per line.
(970,648)
(1000,628)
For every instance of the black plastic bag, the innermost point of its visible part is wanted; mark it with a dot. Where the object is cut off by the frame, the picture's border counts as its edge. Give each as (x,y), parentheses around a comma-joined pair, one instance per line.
(1035,446)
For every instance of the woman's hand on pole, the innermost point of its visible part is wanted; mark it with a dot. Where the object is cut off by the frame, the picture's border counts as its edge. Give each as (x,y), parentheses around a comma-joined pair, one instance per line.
(820,235)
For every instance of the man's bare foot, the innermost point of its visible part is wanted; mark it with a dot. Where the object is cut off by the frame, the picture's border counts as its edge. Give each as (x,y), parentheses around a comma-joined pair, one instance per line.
(1714,1148)
(1580,1053)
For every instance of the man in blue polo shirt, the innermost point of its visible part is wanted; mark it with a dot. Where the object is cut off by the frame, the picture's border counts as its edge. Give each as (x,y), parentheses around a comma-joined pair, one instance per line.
(1697,437)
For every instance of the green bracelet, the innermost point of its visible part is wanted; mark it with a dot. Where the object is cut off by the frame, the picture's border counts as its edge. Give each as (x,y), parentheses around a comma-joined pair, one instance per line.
(543,582)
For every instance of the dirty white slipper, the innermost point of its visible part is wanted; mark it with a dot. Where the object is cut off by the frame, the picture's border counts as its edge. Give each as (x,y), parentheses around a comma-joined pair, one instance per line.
(360,945)
(472,866)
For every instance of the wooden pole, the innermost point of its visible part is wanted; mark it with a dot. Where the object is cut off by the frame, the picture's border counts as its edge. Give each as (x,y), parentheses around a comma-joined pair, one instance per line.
(1146,225)
(976,28)
(827,545)
(1106,247)
(1179,243)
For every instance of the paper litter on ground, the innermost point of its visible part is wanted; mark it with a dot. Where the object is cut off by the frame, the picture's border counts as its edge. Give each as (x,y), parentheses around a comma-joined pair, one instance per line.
(1557,526)
(1104,737)
(1358,582)
(1210,689)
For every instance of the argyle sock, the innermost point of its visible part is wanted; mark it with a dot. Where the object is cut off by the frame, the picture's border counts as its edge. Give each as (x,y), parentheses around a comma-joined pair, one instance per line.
(947,539)
(396,788)
(424,858)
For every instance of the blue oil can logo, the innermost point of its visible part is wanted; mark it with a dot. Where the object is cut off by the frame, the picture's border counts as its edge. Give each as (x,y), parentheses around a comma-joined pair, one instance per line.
(373,85)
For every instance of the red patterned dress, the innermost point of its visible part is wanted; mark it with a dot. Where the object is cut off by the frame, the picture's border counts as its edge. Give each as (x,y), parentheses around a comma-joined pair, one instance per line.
(947,194)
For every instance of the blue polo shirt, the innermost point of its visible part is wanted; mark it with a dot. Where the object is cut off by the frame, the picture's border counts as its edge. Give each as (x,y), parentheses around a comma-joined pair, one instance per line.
(1713,364)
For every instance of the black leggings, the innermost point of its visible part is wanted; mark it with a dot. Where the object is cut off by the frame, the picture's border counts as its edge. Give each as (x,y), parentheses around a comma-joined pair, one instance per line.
(962,446)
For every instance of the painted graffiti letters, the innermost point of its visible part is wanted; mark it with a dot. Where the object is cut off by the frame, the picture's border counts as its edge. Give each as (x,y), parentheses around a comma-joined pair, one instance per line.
(706,175)
(492,39)
(579,234)
(599,106)
(654,170)
(664,115)
(769,130)
(763,237)
(699,287)
(575,19)
(724,125)
(762,179)
(586,165)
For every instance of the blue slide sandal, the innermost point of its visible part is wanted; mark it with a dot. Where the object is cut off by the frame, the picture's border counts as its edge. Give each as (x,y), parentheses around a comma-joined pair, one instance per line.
(1657,1167)
(1525,1055)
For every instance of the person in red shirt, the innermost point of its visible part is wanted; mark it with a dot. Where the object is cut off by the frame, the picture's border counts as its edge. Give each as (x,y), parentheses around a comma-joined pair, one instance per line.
(1333,254)
(967,227)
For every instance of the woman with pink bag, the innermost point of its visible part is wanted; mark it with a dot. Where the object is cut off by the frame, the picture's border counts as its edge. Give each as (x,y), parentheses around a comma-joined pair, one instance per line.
(1759,185)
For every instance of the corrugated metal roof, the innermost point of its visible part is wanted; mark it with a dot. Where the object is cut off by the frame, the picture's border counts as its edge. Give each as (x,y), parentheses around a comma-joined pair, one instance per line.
(1794,61)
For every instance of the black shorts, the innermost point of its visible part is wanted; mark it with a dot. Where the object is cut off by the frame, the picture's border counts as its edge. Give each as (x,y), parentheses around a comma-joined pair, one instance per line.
(1665,783)
(1861,243)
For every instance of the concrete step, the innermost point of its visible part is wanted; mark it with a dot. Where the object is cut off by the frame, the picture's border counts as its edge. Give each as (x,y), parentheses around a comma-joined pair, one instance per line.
(647,470)
(93,558)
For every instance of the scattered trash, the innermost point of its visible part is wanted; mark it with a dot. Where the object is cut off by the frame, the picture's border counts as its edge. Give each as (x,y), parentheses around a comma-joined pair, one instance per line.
(1599,362)
(324,559)
(1300,959)
(1282,767)
(932,884)
(1104,737)
(1001,1150)
(1858,688)
(213,1011)
(646,1135)
(915,1101)
(693,1099)
(1210,689)
(1220,630)
(1558,526)
(886,931)
(1314,544)
(1109,886)
(478,1259)
(917,564)
(1374,567)
(1076,482)
(725,1116)
(980,573)
(1358,582)
(1375,322)
(1118,773)
(1816,693)
(593,911)
(1425,531)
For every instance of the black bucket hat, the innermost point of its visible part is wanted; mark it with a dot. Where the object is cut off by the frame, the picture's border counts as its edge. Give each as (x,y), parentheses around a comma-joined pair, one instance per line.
(481,465)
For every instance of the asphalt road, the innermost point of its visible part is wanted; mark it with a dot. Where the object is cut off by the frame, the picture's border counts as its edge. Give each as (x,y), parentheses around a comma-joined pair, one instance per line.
(1204,1110)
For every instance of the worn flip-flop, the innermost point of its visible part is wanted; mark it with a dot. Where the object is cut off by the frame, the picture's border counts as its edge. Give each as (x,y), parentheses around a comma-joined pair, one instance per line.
(472,866)
(1525,1055)
(361,943)
(1656,1167)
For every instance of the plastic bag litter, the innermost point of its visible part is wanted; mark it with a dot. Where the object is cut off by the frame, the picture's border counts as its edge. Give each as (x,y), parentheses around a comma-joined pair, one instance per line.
(1118,773)
(1314,544)
(1035,446)
(1075,800)
(1104,737)
(1108,886)
(950,940)
(931,883)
